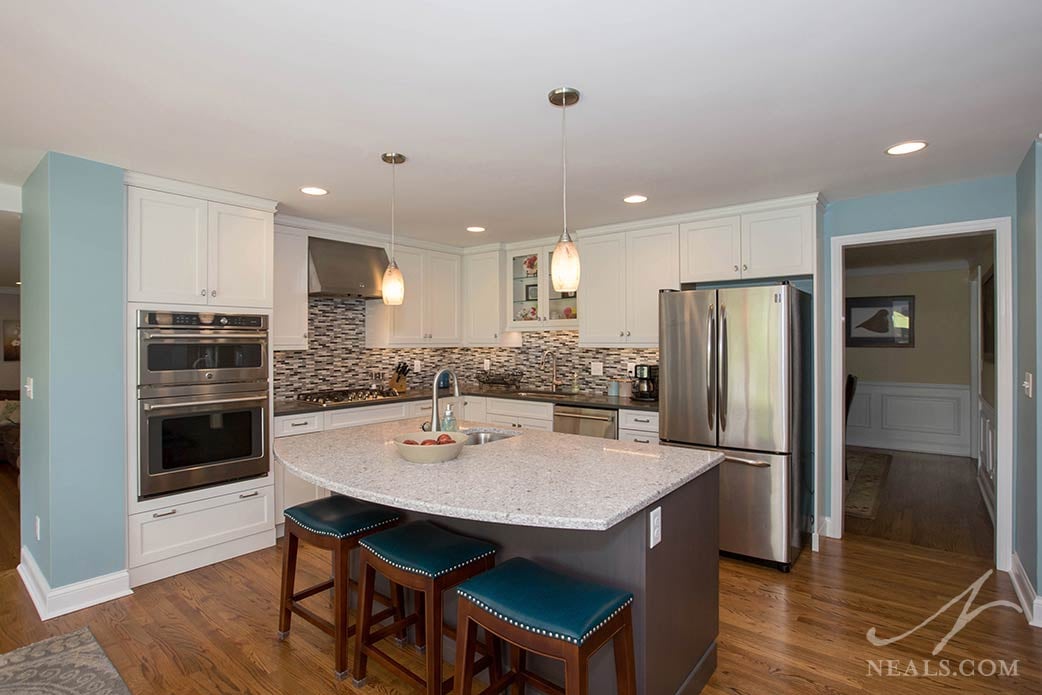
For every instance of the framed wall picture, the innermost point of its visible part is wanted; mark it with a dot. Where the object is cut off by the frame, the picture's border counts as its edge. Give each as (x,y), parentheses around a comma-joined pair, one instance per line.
(987,317)
(11,331)
(532,293)
(880,321)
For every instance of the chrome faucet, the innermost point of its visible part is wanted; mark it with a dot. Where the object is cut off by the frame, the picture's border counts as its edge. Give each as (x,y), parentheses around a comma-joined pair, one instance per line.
(435,416)
(554,383)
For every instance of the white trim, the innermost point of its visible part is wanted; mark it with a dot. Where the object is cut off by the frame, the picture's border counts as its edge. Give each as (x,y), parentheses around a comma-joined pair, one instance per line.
(192,190)
(902,268)
(681,218)
(10,198)
(50,603)
(1029,600)
(1003,229)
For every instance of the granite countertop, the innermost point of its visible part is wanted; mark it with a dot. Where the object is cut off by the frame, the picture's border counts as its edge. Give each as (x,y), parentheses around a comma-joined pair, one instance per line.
(589,400)
(542,479)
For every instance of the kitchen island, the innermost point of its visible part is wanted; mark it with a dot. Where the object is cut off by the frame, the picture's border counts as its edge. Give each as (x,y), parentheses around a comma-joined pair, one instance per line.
(575,503)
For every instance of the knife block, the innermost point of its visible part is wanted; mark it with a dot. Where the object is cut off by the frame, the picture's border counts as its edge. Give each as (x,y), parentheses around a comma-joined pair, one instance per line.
(398,383)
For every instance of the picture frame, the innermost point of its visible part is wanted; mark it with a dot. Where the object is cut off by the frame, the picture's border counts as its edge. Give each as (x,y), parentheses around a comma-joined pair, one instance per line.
(987,316)
(11,336)
(531,293)
(880,321)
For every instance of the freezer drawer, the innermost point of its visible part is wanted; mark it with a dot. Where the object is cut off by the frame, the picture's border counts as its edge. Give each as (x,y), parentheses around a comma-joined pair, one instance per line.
(759,506)
(592,422)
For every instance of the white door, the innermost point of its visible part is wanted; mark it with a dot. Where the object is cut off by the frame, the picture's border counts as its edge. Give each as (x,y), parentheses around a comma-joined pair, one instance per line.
(407,326)
(651,265)
(602,290)
(482,300)
(711,250)
(442,315)
(241,250)
(166,245)
(289,318)
(778,243)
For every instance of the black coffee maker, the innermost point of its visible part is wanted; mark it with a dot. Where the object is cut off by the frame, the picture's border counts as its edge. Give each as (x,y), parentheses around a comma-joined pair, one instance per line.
(645,386)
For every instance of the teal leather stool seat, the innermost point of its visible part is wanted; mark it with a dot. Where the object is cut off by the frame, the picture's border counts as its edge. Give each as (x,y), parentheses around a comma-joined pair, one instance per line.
(339,516)
(423,548)
(536,609)
(543,601)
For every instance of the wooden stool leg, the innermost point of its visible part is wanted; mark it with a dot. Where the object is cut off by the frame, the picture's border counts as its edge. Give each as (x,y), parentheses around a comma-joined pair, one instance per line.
(466,639)
(289,575)
(576,679)
(625,666)
(433,624)
(365,619)
(493,644)
(398,603)
(518,660)
(421,621)
(342,596)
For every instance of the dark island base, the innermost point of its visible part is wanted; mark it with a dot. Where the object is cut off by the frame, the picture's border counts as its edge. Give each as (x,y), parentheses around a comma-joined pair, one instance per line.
(675,584)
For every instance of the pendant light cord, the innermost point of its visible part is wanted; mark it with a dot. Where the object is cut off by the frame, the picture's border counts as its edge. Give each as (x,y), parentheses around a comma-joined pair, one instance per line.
(394,196)
(564,169)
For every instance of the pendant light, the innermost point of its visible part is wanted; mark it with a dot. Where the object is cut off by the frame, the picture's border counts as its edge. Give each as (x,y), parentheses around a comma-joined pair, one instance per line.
(393,289)
(564,267)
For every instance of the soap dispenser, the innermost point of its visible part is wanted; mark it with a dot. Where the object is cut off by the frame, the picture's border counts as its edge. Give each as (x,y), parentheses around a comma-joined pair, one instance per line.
(448,421)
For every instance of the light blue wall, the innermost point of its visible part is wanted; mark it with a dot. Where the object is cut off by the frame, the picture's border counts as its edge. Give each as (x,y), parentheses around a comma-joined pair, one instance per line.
(85,513)
(955,202)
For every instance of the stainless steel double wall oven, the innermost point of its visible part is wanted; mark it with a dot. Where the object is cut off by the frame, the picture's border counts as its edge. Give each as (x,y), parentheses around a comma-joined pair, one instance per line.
(202,400)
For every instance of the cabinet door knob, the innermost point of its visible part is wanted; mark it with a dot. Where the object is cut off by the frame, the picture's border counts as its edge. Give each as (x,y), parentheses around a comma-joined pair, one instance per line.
(627,334)
(745,267)
(203,292)
(736,269)
(495,335)
(620,334)
(213,293)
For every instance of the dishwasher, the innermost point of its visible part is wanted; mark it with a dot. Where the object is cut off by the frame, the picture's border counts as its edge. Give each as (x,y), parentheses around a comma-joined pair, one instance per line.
(592,422)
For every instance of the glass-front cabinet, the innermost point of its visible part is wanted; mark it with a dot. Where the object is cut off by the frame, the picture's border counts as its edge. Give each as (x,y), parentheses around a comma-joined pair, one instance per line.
(532,302)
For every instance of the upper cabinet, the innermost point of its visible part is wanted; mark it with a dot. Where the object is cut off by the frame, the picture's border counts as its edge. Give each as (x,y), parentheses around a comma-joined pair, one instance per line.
(532,303)
(483,298)
(772,243)
(622,275)
(185,250)
(430,315)
(289,316)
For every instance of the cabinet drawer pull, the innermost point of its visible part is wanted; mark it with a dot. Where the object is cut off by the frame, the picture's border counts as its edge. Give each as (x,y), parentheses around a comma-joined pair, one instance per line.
(158,515)
(299,424)
(642,419)
(247,495)
(642,441)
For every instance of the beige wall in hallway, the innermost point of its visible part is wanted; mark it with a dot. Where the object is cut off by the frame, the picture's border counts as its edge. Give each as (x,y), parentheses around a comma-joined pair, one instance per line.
(942,329)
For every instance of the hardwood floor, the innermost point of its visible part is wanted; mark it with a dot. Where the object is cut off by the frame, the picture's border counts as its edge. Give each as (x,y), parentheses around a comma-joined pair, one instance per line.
(213,630)
(10,538)
(932,501)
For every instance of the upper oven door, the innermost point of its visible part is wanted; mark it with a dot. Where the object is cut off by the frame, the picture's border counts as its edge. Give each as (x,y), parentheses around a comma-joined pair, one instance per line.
(199,356)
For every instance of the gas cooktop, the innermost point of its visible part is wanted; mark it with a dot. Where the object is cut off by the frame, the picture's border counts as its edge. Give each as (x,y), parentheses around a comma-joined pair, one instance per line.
(338,396)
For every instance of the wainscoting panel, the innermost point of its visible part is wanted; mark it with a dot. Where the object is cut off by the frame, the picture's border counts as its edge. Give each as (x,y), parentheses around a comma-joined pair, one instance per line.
(986,457)
(928,418)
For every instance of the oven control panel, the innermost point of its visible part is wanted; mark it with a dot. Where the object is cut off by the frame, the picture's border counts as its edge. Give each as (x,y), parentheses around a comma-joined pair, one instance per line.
(155,319)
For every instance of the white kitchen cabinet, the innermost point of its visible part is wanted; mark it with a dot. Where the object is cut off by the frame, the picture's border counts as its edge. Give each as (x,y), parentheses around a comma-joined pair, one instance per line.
(711,250)
(622,276)
(407,324)
(638,436)
(430,314)
(778,243)
(185,250)
(483,298)
(475,408)
(532,304)
(167,247)
(289,317)
(442,311)
(514,414)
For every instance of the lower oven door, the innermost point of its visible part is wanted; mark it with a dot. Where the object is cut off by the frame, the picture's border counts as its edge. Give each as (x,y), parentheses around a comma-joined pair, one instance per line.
(203,439)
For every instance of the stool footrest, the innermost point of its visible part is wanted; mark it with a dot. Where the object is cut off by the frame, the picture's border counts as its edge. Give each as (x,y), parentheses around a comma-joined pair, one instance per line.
(312,590)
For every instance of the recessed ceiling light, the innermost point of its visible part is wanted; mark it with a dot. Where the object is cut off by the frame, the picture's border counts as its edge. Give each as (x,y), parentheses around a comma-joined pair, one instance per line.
(475,229)
(635,198)
(313,190)
(906,147)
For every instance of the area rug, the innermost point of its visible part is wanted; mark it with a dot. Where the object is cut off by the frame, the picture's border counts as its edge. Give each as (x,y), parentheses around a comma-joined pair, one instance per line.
(72,664)
(866,474)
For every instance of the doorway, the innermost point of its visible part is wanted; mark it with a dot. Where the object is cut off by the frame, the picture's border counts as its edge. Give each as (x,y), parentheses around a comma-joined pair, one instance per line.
(10,428)
(913,403)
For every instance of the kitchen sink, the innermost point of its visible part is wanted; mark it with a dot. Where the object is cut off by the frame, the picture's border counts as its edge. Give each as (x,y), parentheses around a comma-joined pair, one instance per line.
(475,437)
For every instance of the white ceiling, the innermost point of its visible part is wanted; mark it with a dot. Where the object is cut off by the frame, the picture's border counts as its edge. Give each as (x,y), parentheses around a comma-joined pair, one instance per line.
(10,224)
(696,104)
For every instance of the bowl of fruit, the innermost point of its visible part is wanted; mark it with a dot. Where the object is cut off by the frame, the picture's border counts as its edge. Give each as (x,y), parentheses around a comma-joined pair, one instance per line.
(430,447)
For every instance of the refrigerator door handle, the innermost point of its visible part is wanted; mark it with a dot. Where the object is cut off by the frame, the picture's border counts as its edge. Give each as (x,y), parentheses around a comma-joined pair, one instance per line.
(710,371)
(722,357)
(748,462)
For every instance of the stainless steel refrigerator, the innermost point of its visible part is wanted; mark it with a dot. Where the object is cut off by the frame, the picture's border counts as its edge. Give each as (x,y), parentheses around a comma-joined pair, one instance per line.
(732,366)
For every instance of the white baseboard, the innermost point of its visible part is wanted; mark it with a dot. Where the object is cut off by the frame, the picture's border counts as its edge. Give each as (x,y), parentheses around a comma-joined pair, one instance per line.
(201,558)
(1030,601)
(926,418)
(50,603)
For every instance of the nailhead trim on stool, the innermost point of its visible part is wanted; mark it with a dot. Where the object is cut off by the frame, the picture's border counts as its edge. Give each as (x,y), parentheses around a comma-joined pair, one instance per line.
(344,535)
(538,630)
(416,570)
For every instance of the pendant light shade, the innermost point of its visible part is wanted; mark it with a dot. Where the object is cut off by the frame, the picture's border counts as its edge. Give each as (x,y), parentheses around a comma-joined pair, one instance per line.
(393,288)
(564,266)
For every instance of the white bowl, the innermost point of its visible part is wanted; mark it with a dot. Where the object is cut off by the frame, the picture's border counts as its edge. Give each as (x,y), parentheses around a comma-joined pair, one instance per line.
(432,453)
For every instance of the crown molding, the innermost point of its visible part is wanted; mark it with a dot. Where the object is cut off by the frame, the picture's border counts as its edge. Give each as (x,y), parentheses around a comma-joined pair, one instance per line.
(483,248)
(815,199)
(340,232)
(192,190)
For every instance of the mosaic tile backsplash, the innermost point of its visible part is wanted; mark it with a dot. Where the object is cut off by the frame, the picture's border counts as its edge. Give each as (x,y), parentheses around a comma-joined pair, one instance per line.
(338,358)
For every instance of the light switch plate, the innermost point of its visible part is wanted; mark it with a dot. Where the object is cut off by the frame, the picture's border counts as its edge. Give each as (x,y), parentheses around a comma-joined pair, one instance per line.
(655,527)
(596,369)
(631,367)
(1029,384)
(28,387)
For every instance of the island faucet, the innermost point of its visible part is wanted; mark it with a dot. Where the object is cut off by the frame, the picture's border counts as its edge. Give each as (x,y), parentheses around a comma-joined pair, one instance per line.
(554,383)
(435,415)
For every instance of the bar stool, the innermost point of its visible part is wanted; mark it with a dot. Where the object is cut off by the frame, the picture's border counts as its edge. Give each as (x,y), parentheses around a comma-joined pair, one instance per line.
(429,560)
(333,523)
(535,609)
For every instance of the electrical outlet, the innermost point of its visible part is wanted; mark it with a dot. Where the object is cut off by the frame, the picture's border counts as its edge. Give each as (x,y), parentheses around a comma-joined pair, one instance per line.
(596,369)
(37,527)
(417,366)
(655,527)
(487,364)
(28,387)
(631,367)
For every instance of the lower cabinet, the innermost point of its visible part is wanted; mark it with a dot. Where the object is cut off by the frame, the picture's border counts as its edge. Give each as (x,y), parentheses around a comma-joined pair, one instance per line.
(507,413)
(638,426)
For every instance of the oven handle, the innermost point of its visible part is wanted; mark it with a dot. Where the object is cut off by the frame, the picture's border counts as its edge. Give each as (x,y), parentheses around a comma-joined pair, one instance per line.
(193,404)
(201,336)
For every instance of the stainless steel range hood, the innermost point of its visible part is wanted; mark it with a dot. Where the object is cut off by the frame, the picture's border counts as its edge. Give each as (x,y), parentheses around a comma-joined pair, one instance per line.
(341,269)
